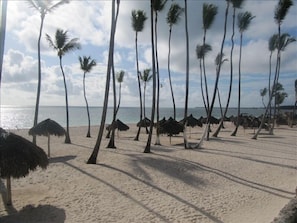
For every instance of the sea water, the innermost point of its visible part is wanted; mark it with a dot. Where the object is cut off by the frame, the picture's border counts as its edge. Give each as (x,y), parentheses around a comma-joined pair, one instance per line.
(22,117)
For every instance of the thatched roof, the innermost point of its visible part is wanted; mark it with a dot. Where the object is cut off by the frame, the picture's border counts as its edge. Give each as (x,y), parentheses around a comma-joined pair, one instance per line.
(18,156)
(47,127)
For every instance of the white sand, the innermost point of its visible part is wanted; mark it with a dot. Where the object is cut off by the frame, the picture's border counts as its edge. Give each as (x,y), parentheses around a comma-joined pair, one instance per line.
(232,179)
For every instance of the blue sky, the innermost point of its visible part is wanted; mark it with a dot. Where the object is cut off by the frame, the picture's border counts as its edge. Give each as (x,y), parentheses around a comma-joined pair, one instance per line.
(90,22)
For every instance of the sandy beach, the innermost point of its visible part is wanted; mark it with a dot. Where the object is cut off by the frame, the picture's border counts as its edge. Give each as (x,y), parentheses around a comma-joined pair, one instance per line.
(231,179)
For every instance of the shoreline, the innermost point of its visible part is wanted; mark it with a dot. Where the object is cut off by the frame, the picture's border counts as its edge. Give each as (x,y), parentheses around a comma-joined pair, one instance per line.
(231,179)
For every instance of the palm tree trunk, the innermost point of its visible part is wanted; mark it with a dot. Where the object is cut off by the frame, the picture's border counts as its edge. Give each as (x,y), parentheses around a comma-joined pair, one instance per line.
(149,139)
(201,85)
(67,138)
(158,83)
(139,88)
(216,133)
(92,159)
(39,77)
(169,74)
(239,89)
(187,75)
(87,106)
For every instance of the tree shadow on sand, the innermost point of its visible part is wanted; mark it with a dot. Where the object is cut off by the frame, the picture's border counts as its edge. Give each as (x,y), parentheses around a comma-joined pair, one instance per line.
(39,214)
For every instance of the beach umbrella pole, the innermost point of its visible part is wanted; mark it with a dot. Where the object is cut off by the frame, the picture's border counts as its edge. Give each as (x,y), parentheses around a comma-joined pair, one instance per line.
(8,185)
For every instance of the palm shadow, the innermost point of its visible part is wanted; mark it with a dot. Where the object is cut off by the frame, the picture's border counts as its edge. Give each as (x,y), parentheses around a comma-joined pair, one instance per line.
(61,159)
(40,214)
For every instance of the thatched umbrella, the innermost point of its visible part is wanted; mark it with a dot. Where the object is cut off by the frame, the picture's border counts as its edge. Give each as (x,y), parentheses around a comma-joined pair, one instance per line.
(171,127)
(18,157)
(46,128)
(191,121)
(144,122)
(118,124)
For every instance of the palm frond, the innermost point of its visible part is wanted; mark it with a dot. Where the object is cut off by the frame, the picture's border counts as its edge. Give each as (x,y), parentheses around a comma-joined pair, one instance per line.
(158,5)
(71,45)
(209,12)
(174,14)
(202,50)
(272,43)
(243,20)
(237,3)
(50,41)
(138,18)
(281,10)
(53,7)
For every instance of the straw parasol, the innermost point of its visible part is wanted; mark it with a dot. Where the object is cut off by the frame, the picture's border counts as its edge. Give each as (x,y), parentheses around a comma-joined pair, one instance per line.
(46,128)
(171,127)
(118,124)
(144,122)
(18,157)
(192,121)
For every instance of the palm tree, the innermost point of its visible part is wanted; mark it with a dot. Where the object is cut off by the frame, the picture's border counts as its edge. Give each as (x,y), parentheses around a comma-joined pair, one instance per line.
(173,17)
(43,7)
(145,77)
(93,158)
(149,139)
(243,21)
(138,20)
(209,12)
(63,46)
(280,13)
(272,45)
(201,51)
(236,5)
(218,70)
(86,64)
(187,74)
(158,6)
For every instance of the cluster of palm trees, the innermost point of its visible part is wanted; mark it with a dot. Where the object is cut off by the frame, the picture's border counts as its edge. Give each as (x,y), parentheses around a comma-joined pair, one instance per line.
(63,45)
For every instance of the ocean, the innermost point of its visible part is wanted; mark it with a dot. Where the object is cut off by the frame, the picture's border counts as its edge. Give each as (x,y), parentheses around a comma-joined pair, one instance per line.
(18,117)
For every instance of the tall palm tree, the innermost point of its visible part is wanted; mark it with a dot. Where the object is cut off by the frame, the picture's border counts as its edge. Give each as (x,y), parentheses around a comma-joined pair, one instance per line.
(173,17)
(209,12)
(236,5)
(43,7)
(158,6)
(272,46)
(138,19)
(201,51)
(86,64)
(149,139)
(93,158)
(218,70)
(280,13)
(243,22)
(111,143)
(63,46)
(187,74)
(145,77)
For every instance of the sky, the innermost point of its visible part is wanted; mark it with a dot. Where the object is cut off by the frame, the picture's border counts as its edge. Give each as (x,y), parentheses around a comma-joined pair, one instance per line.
(89,20)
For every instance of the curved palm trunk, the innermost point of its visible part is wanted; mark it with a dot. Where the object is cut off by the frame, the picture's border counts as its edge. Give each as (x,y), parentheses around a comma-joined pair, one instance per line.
(111,143)
(92,159)
(204,74)
(239,89)
(169,73)
(187,75)
(216,133)
(67,136)
(206,130)
(149,139)
(87,106)
(269,91)
(139,88)
(158,83)
(39,77)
